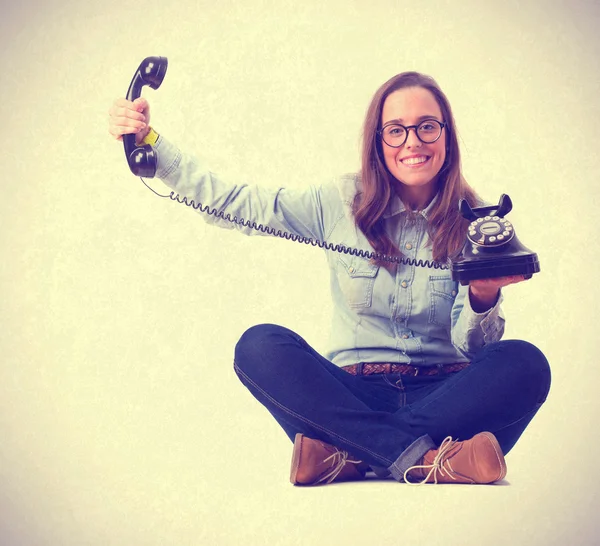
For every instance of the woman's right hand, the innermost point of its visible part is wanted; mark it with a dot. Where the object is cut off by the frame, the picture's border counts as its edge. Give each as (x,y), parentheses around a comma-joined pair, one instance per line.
(127,117)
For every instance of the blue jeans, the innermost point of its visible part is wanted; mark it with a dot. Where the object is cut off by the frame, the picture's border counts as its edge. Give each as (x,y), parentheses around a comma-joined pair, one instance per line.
(391,420)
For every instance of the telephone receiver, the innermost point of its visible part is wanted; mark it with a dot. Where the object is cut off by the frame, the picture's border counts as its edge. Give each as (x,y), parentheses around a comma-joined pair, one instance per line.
(491,247)
(142,159)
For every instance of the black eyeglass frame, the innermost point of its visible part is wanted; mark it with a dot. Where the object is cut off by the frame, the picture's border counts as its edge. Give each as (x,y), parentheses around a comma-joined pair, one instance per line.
(442,125)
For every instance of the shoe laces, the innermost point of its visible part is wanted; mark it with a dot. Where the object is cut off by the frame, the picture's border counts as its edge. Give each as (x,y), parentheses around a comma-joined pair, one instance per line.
(339,459)
(437,465)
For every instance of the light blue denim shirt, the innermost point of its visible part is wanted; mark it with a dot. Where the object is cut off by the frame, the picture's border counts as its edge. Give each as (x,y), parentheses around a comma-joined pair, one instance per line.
(414,315)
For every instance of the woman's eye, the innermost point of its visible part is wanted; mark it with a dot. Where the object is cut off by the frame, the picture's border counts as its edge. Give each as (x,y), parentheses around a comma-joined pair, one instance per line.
(395,131)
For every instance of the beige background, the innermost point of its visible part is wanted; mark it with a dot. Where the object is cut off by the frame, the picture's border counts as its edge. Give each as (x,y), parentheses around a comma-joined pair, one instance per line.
(121,420)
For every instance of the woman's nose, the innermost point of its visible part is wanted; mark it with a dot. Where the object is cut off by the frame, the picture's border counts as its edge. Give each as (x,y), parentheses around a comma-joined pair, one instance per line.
(412,140)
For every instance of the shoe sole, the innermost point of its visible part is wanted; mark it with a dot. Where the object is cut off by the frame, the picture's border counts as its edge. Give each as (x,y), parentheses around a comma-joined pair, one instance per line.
(500,456)
(296,458)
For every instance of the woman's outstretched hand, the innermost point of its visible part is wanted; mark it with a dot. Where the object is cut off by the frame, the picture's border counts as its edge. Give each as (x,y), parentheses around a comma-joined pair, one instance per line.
(483,293)
(127,117)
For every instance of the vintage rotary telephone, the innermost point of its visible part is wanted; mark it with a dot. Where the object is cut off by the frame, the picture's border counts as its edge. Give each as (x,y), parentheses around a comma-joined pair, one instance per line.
(491,248)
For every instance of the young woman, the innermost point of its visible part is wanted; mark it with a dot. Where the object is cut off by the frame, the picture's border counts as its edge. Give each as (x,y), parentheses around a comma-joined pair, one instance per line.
(416,383)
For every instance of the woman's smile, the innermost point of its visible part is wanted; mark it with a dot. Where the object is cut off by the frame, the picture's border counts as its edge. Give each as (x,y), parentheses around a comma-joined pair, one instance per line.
(415,161)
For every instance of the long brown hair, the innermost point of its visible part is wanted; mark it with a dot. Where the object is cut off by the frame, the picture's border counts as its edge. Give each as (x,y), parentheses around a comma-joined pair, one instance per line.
(446,225)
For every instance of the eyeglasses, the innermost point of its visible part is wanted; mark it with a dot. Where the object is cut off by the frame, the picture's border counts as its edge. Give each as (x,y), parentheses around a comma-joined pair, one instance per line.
(428,131)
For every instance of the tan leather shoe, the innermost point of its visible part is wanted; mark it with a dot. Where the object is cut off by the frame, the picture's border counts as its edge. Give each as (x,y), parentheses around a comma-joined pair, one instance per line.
(478,460)
(315,462)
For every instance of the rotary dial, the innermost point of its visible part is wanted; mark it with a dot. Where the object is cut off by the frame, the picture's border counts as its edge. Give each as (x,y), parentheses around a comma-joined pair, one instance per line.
(490,231)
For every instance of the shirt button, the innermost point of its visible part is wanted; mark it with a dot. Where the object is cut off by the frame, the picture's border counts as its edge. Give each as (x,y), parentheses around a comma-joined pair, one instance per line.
(407,246)
(403,284)
(351,270)
(453,293)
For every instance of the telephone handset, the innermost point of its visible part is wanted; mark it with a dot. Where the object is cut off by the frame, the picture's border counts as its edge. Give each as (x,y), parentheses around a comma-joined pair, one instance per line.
(491,248)
(142,159)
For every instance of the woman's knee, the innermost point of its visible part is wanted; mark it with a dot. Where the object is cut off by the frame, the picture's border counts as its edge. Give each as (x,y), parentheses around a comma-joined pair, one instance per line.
(256,344)
(523,361)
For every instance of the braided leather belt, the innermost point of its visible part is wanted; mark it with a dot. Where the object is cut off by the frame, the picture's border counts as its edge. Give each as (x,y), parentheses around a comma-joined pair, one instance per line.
(370,368)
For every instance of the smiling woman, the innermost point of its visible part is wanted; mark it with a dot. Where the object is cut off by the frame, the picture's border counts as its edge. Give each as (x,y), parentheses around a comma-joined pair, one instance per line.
(414,162)
(415,361)
(413,157)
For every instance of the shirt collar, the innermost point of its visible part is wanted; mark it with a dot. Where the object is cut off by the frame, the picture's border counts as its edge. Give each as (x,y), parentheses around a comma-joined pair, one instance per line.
(397,206)
(349,184)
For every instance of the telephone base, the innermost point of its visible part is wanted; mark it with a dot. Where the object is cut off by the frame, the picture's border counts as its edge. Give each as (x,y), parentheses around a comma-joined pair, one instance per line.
(464,271)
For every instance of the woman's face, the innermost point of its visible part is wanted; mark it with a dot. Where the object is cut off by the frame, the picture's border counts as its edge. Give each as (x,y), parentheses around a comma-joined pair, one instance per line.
(414,164)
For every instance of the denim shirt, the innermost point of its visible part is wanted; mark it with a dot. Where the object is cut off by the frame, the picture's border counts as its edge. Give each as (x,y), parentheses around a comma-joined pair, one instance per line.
(413,314)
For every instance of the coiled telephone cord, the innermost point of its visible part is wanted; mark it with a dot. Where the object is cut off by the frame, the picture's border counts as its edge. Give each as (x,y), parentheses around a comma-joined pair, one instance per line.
(298,238)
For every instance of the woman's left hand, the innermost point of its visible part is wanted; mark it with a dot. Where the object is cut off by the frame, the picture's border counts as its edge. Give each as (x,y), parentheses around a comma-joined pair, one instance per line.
(484,292)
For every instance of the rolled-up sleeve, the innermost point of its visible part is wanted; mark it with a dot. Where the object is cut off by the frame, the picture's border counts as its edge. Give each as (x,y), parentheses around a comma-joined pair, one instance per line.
(471,330)
(299,212)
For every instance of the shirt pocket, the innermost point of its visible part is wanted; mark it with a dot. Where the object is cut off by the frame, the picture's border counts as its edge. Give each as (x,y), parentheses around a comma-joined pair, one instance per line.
(356,277)
(443,291)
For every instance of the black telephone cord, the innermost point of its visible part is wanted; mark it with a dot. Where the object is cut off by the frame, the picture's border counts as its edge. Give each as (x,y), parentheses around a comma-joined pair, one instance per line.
(299,238)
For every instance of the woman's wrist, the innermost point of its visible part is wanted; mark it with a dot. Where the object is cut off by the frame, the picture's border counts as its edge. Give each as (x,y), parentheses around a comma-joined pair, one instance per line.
(150,137)
(147,136)
(483,300)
